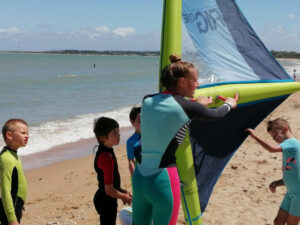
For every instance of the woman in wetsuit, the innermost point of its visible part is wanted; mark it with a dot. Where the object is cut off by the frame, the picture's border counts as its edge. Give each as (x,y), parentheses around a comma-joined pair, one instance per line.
(165,118)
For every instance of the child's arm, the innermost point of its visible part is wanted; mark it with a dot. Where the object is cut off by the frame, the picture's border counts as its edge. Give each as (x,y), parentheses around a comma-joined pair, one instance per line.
(130,156)
(265,145)
(114,193)
(6,171)
(106,163)
(131,165)
(14,223)
(275,184)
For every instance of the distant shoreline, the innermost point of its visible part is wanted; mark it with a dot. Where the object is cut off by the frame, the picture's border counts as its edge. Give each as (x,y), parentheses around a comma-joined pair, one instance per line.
(284,58)
(88,52)
(277,55)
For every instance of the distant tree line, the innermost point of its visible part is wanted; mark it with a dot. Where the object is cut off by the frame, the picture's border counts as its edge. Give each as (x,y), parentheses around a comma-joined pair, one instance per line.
(285,54)
(91,52)
(276,54)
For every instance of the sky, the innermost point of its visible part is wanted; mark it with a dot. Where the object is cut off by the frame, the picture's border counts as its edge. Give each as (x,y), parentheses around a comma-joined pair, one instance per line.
(42,25)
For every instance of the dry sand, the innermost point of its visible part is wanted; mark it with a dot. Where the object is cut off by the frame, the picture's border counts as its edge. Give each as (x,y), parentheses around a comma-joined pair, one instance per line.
(62,193)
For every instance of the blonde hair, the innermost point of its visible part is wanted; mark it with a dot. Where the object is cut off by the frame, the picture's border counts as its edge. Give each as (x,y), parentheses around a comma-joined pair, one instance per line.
(277,124)
(9,126)
(173,72)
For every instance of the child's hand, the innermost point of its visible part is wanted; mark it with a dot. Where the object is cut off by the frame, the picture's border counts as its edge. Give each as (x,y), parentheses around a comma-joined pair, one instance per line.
(251,131)
(204,100)
(273,186)
(14,223)
(127,192)
(127,199)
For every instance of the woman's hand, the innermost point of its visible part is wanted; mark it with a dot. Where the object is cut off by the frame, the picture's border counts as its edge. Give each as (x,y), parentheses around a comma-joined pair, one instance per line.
(232,102)
(204,100)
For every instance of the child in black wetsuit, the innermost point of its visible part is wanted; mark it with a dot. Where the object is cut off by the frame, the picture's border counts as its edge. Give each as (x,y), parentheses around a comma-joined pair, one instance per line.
(105,200)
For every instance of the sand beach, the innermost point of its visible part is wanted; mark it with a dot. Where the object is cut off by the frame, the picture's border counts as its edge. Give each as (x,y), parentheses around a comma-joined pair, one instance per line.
(62,193)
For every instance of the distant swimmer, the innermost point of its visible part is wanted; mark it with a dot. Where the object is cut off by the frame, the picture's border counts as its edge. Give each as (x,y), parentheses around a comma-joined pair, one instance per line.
(294,74)
(94,65)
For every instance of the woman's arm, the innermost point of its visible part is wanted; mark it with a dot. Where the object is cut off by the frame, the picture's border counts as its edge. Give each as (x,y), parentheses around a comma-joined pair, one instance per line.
(195,110)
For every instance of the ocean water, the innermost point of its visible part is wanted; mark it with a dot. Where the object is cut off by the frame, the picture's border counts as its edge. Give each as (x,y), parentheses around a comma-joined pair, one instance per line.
(60,95)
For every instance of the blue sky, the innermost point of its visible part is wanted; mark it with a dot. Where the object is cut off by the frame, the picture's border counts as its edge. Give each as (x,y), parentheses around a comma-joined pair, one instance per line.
(38,25)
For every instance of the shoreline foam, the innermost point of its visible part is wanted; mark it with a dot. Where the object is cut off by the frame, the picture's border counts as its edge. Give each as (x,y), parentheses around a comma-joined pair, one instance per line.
(73,150)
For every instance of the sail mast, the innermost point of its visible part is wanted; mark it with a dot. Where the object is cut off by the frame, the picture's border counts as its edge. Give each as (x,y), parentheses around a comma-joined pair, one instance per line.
(171,33)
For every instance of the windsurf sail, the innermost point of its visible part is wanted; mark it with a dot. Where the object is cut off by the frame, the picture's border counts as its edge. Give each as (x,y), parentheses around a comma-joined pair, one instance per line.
(215,36)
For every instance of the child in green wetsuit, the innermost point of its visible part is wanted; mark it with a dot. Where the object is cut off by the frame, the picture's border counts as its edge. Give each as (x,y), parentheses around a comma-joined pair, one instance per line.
(280,131)
(12,180)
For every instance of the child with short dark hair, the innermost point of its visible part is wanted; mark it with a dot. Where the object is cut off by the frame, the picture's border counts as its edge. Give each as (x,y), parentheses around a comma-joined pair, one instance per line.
(109,183)
(12,180)
(133,143)
(280,131)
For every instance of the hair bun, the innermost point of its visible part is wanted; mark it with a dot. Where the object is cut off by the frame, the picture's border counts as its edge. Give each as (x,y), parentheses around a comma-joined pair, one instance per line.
(174,58)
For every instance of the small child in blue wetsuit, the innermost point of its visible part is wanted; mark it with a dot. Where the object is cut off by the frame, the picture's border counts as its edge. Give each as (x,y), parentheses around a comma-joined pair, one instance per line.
(280,131)
(105,200)
(133,143)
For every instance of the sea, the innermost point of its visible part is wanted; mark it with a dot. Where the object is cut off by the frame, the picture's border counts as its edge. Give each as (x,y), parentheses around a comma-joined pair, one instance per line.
(60,95)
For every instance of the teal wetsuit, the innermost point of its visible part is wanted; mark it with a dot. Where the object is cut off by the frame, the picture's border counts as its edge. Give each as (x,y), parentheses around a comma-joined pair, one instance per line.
(13,186)
(291,176)
(156,188)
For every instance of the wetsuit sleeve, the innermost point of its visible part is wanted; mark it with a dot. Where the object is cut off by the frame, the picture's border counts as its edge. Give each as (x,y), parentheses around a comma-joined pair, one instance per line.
(106,163)
(6,171)
(195,110)
(130,149)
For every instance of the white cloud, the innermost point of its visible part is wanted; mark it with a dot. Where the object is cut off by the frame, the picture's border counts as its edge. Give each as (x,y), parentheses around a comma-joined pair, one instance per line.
(292,36)
(280,38)
(277,29)
(96,38)
(92,33)
(10,31)
(103,30)
(291,16)
(98,32)
(123,31)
